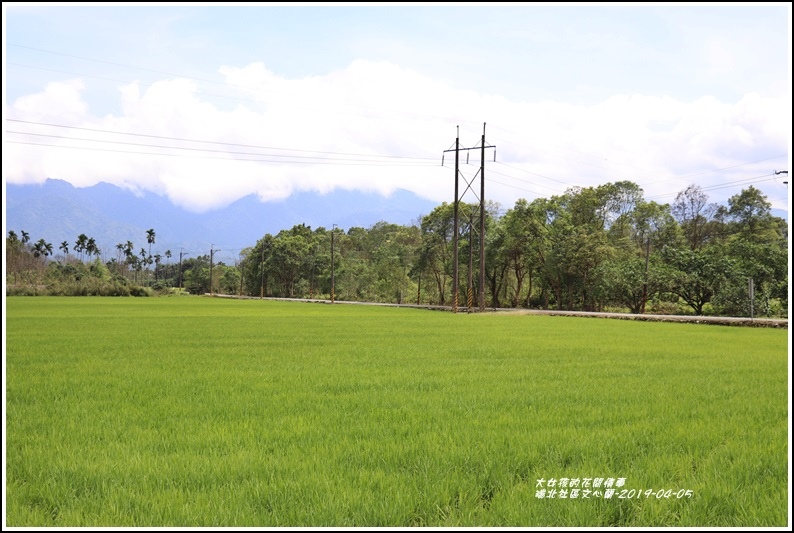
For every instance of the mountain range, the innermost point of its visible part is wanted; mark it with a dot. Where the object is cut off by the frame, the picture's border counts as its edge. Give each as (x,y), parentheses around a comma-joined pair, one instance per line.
(57,211)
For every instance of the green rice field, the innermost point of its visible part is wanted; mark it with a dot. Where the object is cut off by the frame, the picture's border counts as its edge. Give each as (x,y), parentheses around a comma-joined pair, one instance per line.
(194,411)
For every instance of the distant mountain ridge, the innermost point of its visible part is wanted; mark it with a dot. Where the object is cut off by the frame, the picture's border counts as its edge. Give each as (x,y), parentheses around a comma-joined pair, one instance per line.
(57,211)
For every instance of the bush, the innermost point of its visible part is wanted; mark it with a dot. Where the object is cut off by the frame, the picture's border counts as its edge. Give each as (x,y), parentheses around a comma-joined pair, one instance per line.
(141,291)
(24,290)
(660,307)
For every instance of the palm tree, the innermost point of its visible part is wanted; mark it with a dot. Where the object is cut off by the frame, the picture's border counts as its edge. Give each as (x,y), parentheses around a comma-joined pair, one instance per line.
(167,256)
(25,236)
(128,251)
(80,243)
(64,247)
(138,267)
(119,252)
(157,259)
(150,240)
(92,248)
(129,255)
(42,247)
(12,250)
(143,262)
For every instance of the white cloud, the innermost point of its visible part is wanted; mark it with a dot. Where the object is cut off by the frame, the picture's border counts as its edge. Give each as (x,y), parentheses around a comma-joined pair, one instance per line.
(59,100)
(332,125)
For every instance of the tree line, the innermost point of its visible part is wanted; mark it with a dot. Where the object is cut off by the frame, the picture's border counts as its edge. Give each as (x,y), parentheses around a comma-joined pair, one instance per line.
(600,248)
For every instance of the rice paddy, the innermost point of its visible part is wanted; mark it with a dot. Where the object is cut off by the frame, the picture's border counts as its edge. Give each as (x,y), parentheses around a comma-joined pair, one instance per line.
(191,411)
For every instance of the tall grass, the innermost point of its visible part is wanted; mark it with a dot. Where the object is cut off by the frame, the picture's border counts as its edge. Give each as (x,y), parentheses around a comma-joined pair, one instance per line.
(211,412)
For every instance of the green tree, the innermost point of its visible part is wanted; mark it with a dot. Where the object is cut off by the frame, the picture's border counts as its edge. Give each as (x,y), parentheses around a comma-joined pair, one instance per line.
(697,275)
(167,256)
(91,248)
(287,259)
(436,253)
(694,214)
(80,244)
(42,248)
(150,236)
(391,250)
(524,243)
(750,214)
(651,227)
(577,245)
(629,280)
(196,277)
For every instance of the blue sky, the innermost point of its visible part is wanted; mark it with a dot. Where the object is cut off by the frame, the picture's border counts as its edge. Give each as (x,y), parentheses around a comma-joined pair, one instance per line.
(207,103)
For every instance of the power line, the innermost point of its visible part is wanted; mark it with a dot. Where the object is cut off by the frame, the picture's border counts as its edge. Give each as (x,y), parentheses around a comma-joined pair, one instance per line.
(490,180)
(642,184)
(727,185)
(535,174)
(211,142)
(196,149)
(528,182)
(682,177)
(331,162)
(206,80)
(307,159)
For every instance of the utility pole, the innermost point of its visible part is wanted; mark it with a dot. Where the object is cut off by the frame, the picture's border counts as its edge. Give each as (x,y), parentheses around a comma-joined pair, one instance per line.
(751,294)
(211,253)
(778,172)
(645,279)
(470,287)
(242,276)
(262,274)
(333,281)
(455,227)
(180,267)
(482,218)
(455,231)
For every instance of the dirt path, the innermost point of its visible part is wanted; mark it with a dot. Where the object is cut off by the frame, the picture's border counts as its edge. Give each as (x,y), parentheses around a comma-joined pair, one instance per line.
(723,321)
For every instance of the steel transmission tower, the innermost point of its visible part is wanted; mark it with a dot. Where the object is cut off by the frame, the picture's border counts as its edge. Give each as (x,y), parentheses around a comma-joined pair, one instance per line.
(456,223)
